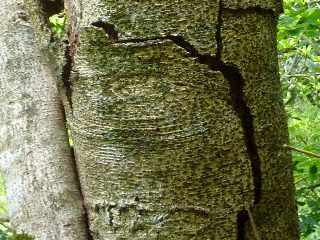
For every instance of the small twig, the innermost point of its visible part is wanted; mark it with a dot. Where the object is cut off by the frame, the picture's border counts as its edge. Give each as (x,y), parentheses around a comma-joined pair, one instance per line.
(311,187)
(300,180)
(300,75)
(311,154)
(253,225)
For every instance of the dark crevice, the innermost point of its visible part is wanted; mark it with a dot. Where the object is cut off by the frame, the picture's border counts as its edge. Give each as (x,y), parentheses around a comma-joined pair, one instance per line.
(242,219)
(248,10)
(51,7)
(66,74)
(110,215)
(85,211)
(231,73)
(108,28)
(77,177)
(236,83)
(218,32)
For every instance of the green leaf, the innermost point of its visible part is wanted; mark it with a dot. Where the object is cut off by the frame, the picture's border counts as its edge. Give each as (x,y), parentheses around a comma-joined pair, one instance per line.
(57,24)
(313,170)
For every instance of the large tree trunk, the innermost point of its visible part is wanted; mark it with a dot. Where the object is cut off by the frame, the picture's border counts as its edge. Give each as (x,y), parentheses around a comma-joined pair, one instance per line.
(43,193)
(177,120)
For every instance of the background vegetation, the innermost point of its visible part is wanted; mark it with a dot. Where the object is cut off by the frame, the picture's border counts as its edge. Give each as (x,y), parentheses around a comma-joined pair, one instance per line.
(299,55)
(299,58)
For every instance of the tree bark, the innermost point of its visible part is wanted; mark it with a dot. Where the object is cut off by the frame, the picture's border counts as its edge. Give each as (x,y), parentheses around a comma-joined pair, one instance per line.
(178,121)
(36,161)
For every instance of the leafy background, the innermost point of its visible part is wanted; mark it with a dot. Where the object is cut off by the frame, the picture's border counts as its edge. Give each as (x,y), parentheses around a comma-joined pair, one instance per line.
(299,58)
(299,61)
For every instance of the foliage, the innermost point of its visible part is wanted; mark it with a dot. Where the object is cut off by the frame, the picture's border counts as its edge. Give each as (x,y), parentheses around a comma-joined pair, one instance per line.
(299,48)
(57,24)
(3,201)
(304,131)
(7,234)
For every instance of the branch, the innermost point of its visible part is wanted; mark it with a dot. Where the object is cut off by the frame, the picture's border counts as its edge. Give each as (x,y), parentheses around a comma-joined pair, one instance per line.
(301,75)
(311,154)
(253,225)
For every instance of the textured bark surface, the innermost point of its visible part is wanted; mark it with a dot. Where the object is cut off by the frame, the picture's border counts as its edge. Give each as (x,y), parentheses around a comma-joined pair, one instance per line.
(176,115)
(254,52)
(159,148)
(35,158)
(178,122)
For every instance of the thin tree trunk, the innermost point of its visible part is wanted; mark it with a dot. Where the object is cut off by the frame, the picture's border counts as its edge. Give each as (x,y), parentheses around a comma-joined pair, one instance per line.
(178,122)
(35,158)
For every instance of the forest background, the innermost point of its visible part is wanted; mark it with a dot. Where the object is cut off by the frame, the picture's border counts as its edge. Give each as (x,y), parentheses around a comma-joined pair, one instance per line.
(299,65)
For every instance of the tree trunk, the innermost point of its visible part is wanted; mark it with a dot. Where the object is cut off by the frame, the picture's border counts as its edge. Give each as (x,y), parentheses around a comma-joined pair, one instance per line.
(177,120)
(42,188)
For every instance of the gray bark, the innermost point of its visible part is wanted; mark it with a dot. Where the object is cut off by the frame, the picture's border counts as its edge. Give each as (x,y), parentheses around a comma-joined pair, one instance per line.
(35,158)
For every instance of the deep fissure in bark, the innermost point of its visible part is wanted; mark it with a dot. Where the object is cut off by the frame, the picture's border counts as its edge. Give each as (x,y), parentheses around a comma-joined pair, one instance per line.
(250,10)
(242,218)
(73,157)
(236,83)
(109,28)
(66,74)
(110,215)
(86,214)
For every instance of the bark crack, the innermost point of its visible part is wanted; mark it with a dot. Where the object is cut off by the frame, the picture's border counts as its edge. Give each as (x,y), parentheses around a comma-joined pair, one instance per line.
(77,178)
(242,219)
(236,82)
(109,28)
(66,74)
(250,9)
(110,214)
(85,210)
